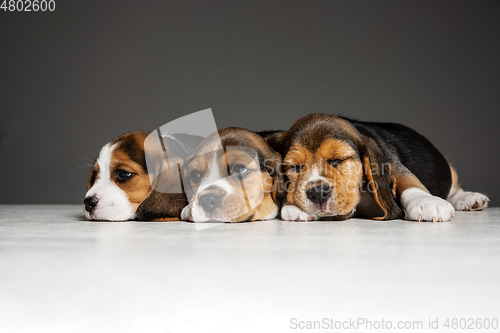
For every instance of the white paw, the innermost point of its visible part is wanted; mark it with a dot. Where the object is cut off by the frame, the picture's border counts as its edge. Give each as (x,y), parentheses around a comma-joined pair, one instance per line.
(422,206)
(463,200)
(294,213)
(186,213)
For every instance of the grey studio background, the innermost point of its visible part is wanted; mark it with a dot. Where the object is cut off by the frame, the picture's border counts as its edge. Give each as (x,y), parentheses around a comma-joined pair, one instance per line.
(75,78)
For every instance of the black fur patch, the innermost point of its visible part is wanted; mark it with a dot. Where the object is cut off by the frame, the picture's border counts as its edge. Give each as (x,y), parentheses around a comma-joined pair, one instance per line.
(413,150)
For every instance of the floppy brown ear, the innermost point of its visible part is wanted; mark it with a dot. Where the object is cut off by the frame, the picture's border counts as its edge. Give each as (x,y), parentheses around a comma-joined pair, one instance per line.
(166,206)
(274,163)
(380,181)
(162,206)
(275,140)
(275,169)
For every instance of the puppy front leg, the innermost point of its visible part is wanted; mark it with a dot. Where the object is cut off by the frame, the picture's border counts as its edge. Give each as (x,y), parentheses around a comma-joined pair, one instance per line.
(294,213)
(465,200)
(422,206)
(418,203)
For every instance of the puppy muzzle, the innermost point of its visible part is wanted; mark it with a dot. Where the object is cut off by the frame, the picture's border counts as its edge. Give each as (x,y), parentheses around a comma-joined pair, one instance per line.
(210,201)
(318,194)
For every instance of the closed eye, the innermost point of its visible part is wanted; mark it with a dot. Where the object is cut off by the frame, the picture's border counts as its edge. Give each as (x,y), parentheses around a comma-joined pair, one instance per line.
(121,176)
(334,162)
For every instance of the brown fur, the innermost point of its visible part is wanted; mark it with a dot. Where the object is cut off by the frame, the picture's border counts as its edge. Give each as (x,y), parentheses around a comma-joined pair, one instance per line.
(129,156)
(362,177)
(237,207)
(138,187)
(455,185)
(344,178)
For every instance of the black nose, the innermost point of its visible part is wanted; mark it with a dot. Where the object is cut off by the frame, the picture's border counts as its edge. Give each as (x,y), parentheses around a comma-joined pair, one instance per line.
(90,203)
(318,194)
(210,201)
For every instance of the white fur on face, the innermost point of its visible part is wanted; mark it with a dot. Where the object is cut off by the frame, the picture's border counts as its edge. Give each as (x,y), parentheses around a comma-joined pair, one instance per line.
(315,176)
(113,204)
(213,179)
(198,214)
(422,206)
(325,209)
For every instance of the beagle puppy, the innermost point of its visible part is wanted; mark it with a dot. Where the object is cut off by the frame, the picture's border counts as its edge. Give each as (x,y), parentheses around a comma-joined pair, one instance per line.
(338,168)
(233,176)
(119,185)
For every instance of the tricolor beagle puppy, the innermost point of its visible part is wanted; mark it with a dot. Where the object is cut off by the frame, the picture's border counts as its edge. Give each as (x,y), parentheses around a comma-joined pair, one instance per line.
(119,186)
(339,168)
(233,176)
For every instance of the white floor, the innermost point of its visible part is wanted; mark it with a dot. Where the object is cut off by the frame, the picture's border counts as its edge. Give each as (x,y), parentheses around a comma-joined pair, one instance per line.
(59,273)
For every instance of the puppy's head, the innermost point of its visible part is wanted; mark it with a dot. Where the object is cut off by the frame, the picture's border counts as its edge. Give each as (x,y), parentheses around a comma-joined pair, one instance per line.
(118,181)
(233,176)
(327,164)
(138,175)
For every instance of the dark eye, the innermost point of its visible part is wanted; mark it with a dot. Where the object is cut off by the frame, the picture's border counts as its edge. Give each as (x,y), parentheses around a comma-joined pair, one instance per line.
(297,168)
(239,171)
(333,162)
(195,175)
(122,176)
